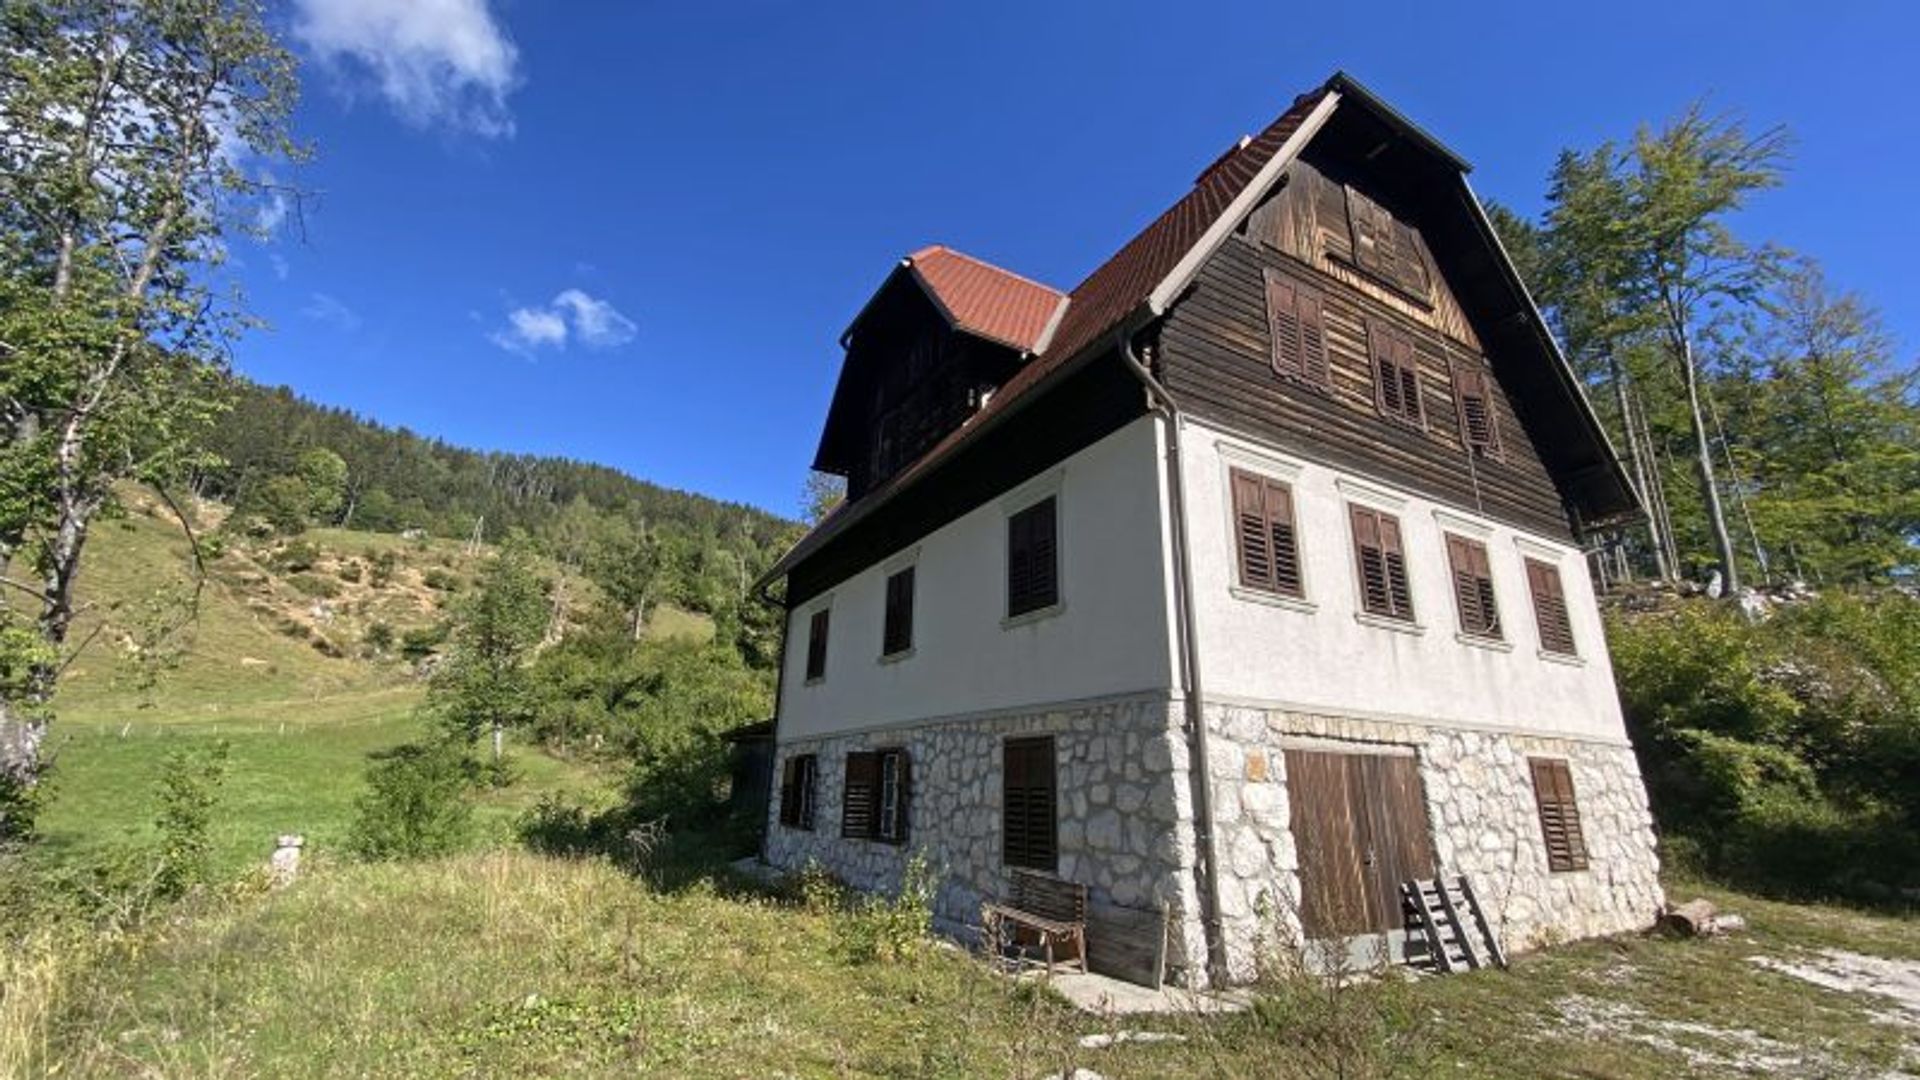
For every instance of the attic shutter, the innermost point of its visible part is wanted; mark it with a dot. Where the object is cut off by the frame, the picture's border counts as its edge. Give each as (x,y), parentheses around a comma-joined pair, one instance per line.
(897,631)
(860,796)
(1409,267)
(1473,587)
(1032,559)
(1550,607)
(1372,250)
(1478,429)
(1027,803)
(1559,814)
(1382,564)
(1396,378)
(1296,325)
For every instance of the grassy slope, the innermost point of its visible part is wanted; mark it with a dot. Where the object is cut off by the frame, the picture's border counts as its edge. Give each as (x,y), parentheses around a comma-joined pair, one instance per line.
(508,964)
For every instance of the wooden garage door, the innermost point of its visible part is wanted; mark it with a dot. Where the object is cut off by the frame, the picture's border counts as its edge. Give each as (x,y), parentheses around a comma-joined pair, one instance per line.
(1360,826)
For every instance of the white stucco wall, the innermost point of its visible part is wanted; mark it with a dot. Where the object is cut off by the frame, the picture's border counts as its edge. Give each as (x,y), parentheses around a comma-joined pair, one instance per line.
(1110,634)
(1319,656)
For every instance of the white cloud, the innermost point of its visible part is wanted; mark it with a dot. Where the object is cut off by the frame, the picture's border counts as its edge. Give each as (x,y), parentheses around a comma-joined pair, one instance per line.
(435,62)
(327,309)
(595,322)
(573,316)
(279,264)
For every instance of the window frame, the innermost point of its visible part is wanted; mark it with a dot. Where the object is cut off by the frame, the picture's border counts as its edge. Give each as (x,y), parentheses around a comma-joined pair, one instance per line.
(1557,804)
(819,631)
(903,609)
(1290,298)
(800,776)
(1547,589)
(1018,608)
(870,777)
(1485,593)
(1472,370)
(1398,613)
(1393,355)
(1268,486)
(1029,853)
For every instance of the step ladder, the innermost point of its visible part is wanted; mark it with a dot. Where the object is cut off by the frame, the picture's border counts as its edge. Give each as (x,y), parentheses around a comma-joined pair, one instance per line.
(1434,909)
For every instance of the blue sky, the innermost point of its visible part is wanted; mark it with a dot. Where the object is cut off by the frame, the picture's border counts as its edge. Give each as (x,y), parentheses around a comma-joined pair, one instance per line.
(632,232)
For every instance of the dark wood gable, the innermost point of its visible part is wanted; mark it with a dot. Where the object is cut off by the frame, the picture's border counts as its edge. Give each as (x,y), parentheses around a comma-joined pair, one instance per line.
(1402,386)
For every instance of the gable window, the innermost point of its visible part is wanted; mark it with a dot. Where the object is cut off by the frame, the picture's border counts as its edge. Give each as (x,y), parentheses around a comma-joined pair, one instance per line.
(1033,570)
(1479,429)
(798,781)
(1473,587)
(817,645)
(1559,814)
(873,805)
(1386,247)
(1396,373)
(1550,607)
(1027,811)
(1382,563)
(1264,530)
(1297,327)
(896,636)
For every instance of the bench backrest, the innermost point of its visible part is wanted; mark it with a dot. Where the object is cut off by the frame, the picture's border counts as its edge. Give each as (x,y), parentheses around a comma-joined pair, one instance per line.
(1049,897)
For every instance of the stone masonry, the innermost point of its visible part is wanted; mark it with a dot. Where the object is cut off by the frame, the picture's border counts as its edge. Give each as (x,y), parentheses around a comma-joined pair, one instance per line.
(1126,821)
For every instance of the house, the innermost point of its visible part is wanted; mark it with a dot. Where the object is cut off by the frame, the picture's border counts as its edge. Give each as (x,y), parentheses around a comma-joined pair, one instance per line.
(1242,582)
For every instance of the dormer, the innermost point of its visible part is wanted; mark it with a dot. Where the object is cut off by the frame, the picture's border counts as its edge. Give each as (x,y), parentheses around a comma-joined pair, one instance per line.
(928,350)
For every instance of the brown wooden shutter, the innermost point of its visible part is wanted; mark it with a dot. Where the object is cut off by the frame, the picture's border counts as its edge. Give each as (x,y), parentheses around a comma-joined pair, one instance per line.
(1250,530)
(1398,588)
(1382,564)
(1550,607)
(1296,325)
(1285,539)
(1028,811)
(859,797)
(897,633)
(1560,826)
(1473,587)
(1033,558)
(1409,266)
(1370,244)
(1396,373)
(1478,428)
(809,789)
(817,644)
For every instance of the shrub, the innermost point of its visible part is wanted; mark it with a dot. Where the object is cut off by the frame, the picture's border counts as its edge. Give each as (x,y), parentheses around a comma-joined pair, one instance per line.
(349,571)
(421,641)
(314,585)
(441,580)
(297,556)
(190,784)
(890,929)
(415,804)
(381,565)
(379,637)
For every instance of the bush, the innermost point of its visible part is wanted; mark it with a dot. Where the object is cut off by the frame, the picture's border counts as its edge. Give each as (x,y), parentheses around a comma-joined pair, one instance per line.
(422,641)
(875,929)
(381,566)
(415,805)
(190,783)
(297,556)
(314,585)
(349,571)
(441,580)
(379,637)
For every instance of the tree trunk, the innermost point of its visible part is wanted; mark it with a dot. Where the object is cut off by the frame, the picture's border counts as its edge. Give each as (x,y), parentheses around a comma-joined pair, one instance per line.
(20,741)
(1709,488)
(499,738)
(1638,463)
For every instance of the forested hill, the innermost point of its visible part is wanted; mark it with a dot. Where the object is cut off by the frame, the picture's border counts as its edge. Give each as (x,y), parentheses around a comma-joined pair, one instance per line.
(395,479)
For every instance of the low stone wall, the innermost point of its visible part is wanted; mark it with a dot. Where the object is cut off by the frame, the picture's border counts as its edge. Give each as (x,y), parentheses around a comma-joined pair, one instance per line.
(1125,819)
(1480,804)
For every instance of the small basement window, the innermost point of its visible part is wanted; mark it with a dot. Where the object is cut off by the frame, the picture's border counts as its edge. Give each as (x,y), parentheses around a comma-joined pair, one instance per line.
(798,783)
(1559,814)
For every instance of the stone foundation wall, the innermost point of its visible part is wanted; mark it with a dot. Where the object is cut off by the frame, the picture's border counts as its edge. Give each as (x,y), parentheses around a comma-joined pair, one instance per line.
(1480,805)
(1125,826)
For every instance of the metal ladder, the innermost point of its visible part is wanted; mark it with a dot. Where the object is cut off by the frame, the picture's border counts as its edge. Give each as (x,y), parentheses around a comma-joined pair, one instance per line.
(1433,908)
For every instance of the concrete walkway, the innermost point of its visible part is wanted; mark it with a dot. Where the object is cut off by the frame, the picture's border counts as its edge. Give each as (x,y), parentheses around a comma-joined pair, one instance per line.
(1099,994)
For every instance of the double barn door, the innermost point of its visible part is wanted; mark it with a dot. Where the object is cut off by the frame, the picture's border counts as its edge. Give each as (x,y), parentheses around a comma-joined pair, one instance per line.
(1360,827)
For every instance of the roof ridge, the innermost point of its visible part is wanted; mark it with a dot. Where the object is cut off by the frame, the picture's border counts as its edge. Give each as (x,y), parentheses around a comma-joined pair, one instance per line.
(980,262)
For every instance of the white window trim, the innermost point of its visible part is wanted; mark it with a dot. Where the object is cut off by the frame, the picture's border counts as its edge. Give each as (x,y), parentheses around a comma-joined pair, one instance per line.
(1283,470)
(1360,613)
(905,560)
(1038,490)
(1530,548)
(1371,497)
(823,602)
(1469,528)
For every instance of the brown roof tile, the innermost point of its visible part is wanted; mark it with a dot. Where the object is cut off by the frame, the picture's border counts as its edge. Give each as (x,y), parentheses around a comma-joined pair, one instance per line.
(985,300)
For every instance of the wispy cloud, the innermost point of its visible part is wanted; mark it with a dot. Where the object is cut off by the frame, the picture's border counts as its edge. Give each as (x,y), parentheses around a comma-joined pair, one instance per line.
(279,264)
(572,316)
(437,63)
(327,309)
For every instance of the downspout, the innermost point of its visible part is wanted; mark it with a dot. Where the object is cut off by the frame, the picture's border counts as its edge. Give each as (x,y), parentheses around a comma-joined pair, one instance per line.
(1162,404)
(760,593)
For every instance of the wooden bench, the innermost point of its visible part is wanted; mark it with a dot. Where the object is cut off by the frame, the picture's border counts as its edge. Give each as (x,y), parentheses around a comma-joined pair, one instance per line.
(1052,909)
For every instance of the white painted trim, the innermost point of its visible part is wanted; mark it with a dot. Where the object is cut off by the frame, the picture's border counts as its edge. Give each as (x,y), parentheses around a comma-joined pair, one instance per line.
(1034,490)
(1260,459)
(1053,324)
(1183,272)
(1388,622)
(1567,659)
(1451,522)
(900,560)
(1286,472)
(1371,497)
(1535,549)
(1276,705)
(1480,641)
(1271,599)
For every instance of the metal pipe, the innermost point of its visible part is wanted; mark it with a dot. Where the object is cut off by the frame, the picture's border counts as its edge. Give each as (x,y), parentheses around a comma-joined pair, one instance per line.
(1162,403)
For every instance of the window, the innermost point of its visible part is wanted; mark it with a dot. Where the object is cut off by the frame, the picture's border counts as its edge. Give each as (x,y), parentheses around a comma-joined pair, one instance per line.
(874,803)
(1298,330)
(1473,587)
(1382,563)
(1559,814)
(1550,607)
(1264,528)
(897,632)
(1387,248)
(797,794)
(1479,429)
(817,645)
(1033,572)
(1396,373)
(1027,804)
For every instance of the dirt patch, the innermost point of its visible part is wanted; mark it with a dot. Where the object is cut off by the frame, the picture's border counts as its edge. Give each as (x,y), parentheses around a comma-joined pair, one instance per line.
(1896,982)
(1702,1045)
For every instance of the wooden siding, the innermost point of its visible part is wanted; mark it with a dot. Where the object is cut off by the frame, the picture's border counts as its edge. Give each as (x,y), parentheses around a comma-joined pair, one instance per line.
(1215,358)
(1088,406)
(1361,824)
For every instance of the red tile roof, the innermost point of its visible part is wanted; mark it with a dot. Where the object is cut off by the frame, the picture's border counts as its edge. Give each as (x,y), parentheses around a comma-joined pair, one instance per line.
(985,300)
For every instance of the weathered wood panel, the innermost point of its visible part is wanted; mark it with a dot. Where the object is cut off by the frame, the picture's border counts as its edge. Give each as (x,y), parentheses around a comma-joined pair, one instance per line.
(1215,359)
(1360,825)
